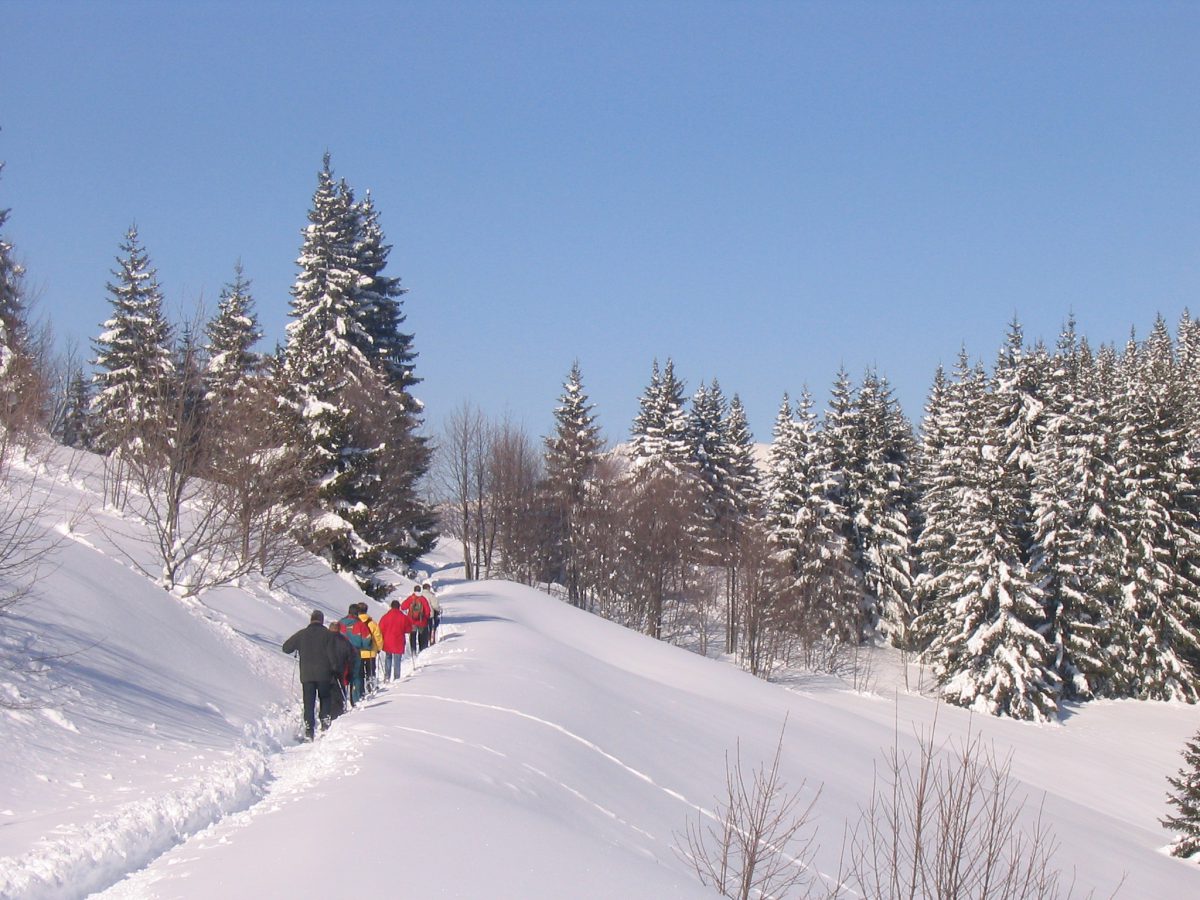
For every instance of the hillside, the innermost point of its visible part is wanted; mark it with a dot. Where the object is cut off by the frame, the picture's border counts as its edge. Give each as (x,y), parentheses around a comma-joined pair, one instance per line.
(537,751)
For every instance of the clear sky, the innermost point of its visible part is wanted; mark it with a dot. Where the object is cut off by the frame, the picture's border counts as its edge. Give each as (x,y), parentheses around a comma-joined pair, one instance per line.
(762,191)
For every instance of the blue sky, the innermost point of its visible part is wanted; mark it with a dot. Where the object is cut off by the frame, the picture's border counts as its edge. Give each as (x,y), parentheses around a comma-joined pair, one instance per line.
(762,191)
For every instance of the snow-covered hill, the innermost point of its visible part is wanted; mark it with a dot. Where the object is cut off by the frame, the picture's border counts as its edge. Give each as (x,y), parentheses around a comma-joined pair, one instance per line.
(536,752)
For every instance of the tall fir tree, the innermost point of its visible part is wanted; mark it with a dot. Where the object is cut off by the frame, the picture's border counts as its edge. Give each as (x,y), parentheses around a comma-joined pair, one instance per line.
(1077,550)
(345,377)
(883,510)
(803,523)
(21,393)
(328,381)
(1160,617)
(75,428)
(380,300)
(986,649)
(133,356)
(232,363)
(572,455)
(1185,798)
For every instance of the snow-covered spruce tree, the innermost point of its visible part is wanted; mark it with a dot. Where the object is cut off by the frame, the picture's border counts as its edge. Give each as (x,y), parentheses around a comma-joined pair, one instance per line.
(75,429)
(133,357)
(842,453)
(706,435)
(937,481)
(328,381)
(24,408)
(402,523)
(986,651)
(1185,797)
(662,501)
(344,377)
(571,456)
(380,298)
(1188,341)
(233,366)
(1077,548)
(884,510)
(744,490)
(822,593)
(1019,404)
(1160,620)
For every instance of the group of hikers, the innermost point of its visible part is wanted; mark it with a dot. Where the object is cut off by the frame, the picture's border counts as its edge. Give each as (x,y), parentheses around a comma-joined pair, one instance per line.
(339,663)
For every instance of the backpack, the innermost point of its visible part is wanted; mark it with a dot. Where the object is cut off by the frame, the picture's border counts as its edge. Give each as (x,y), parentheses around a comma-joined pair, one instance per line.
(416,612)
(355,632)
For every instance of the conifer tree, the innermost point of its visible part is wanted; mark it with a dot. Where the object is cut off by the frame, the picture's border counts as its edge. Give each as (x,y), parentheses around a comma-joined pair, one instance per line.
(883,510)
(75,428)
(133,356)
(379,297)
(328,380)
(232,334)
(936,486)
(21,381)
(1158,517)
(660,436)
(12,303)
(711,454)
(345,375)
(1185,822)
(1077,550)
(986,650)
(663,500)
(571,457)
(802,523)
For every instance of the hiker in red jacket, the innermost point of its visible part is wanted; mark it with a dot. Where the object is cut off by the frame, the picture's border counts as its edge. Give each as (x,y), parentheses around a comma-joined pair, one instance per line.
(416,607)
(395,626)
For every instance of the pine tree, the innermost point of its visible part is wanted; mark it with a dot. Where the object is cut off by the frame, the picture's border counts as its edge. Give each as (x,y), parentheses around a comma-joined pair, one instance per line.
(937,482)
(883,510)
(663,500)
(76,430)
(13,330)
(379,298)
(986,651)
(571,457)
(1160,619)
(712,456)
(1186,800)
(660,436)
(232,334)
(23,406)
(328,381)
(345,375)
(1077,550)
(133,356)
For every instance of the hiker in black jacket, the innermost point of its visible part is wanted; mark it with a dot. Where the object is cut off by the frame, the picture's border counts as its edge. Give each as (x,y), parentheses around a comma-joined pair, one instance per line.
(318,667)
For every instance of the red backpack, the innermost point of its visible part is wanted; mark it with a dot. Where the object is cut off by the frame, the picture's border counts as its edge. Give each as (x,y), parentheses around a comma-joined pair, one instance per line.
(414,608)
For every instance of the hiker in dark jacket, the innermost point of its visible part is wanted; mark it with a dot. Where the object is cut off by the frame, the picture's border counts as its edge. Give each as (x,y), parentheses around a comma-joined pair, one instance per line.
(318,665)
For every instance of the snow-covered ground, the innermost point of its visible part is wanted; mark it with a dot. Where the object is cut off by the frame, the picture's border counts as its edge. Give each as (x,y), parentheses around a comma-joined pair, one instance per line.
(537,751)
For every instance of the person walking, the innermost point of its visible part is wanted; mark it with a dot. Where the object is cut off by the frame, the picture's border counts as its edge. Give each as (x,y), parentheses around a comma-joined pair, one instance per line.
(318,665)
(395,626)
(354,631)
(347,656)
(372,649)
(416,607)
(435,610)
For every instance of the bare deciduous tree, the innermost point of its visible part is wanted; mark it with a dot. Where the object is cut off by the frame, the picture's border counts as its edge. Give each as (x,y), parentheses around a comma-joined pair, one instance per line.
(758,841)
(949,826)
(460,477)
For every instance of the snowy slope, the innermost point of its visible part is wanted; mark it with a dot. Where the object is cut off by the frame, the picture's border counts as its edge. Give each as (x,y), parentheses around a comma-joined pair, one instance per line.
(536,752)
